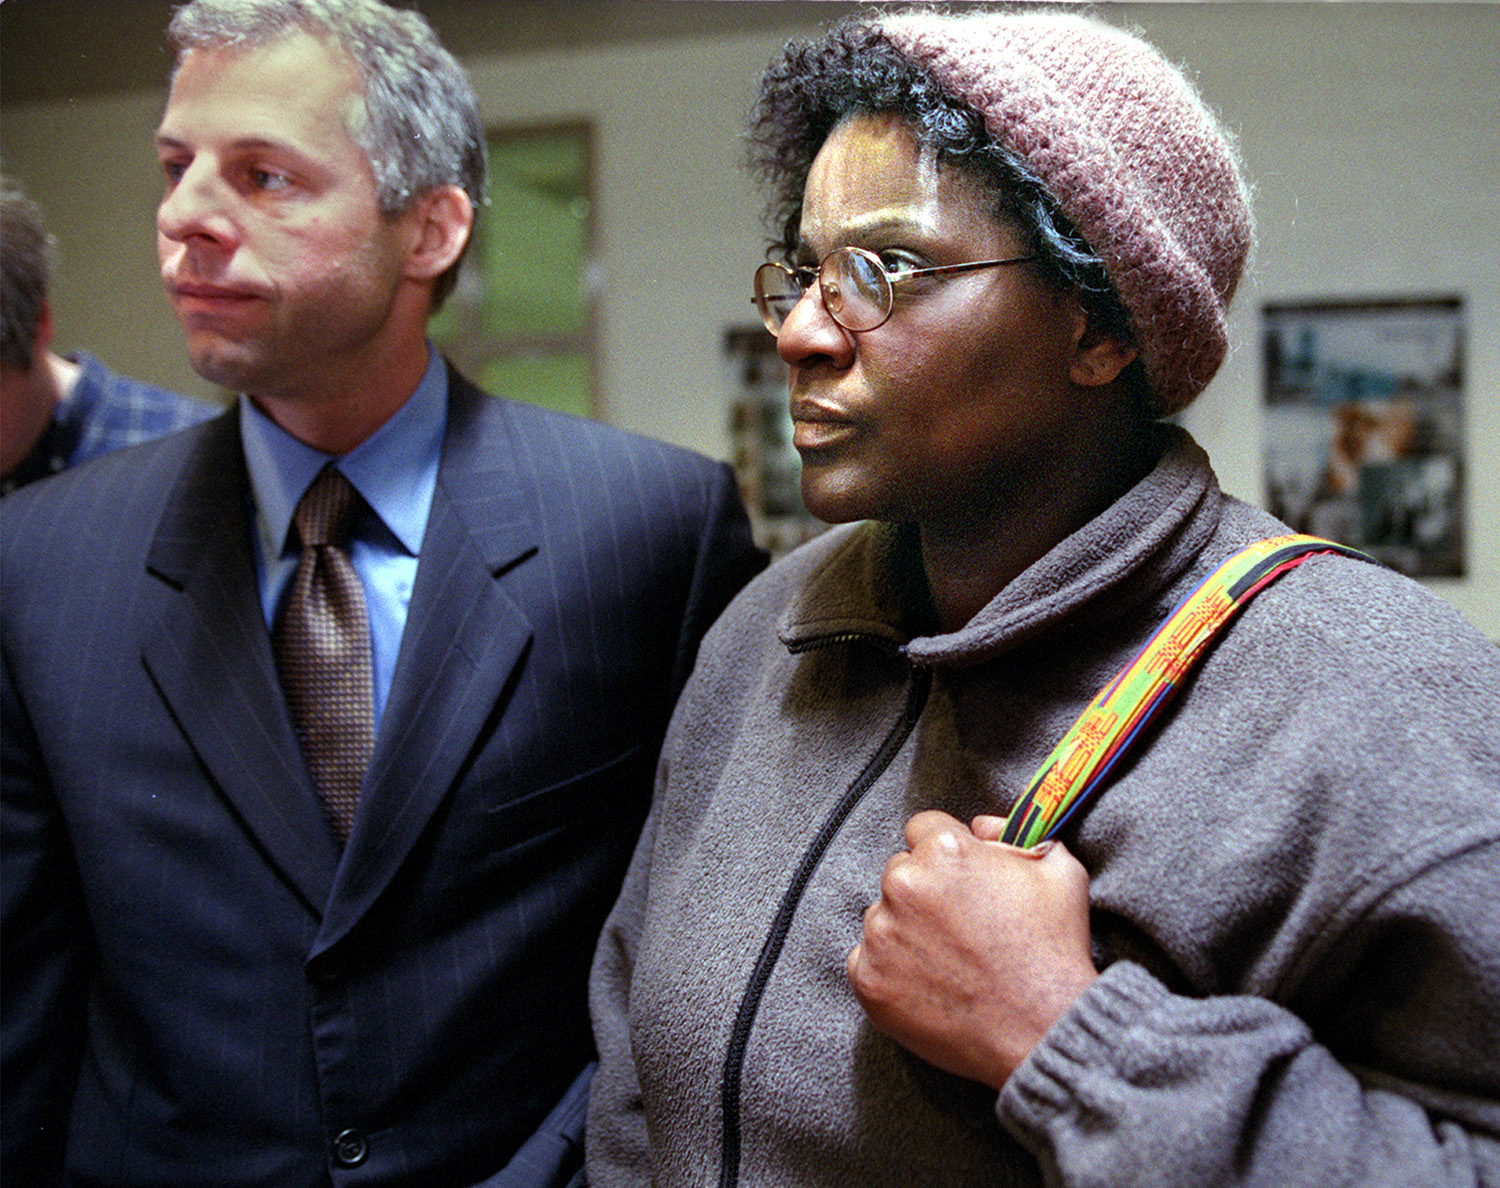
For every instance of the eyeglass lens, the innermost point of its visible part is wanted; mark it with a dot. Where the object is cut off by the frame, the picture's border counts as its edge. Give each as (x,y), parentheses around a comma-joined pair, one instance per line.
(854,288)
(776,291)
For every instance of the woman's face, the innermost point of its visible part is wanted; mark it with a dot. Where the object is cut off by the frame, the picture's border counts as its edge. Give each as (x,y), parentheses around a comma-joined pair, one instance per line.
(960,401)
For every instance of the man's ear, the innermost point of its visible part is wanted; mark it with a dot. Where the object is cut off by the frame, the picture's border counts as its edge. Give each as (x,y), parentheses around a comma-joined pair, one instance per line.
(443,220)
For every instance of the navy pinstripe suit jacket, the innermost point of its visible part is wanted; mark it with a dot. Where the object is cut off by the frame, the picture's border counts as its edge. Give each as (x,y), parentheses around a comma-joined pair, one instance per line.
(196,989)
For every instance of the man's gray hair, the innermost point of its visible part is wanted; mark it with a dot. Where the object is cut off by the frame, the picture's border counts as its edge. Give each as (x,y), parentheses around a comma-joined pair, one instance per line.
(422,128)
(26,255)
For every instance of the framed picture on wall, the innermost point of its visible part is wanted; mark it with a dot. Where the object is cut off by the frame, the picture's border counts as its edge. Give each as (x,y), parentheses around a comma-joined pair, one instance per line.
(1364,426)
(760,427)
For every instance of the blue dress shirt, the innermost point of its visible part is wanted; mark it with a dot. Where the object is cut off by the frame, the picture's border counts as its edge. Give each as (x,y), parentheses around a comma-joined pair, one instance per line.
(395,470)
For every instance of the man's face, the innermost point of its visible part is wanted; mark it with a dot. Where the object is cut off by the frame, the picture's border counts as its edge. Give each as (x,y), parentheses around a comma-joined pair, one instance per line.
(274,253)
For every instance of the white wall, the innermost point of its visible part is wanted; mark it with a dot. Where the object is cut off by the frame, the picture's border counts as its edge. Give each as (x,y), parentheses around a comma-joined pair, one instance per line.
(1368,130)
(91,166)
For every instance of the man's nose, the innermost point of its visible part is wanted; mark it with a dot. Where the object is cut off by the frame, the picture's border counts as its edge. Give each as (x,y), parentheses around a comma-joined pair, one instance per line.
(196,206)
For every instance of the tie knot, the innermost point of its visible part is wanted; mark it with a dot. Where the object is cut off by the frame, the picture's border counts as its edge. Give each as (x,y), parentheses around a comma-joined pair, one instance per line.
(322,515)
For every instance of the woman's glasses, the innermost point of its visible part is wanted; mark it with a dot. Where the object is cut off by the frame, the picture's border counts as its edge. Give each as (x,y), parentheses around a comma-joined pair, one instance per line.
(857,290)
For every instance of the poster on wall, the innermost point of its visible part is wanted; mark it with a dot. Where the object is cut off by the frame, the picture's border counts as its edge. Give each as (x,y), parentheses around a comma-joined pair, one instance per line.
(760,426)
(1364,427)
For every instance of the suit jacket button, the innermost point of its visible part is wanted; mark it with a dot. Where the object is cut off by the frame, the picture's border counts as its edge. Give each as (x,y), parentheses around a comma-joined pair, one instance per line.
(350,1149)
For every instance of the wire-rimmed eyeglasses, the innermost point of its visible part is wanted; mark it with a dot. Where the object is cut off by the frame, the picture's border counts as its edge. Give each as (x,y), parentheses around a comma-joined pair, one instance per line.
(857,290)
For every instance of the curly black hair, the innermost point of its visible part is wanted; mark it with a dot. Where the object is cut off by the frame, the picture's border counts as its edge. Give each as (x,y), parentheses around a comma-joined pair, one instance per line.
(854,70)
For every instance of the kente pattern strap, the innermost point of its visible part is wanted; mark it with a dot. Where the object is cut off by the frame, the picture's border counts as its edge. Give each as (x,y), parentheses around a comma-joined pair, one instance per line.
(1118,715)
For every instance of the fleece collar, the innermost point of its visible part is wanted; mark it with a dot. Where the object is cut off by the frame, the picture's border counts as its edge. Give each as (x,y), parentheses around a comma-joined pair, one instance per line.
(1130,553)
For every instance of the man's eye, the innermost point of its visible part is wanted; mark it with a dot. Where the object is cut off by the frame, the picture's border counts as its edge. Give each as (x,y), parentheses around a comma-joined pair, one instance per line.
(174,170)
(267,179)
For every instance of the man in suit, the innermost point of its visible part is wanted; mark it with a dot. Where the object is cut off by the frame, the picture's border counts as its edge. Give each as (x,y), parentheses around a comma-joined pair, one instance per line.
(210,975)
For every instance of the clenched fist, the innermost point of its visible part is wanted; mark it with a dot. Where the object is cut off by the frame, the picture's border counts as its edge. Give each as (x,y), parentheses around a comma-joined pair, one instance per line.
(974,948)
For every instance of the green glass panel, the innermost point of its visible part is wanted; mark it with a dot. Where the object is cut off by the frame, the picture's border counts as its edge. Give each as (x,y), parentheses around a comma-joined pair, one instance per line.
(532,236)
(552,381)
(443,326)
(519,321)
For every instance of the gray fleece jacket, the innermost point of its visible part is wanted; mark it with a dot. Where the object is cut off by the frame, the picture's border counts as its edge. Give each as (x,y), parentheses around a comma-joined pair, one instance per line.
(1295,881)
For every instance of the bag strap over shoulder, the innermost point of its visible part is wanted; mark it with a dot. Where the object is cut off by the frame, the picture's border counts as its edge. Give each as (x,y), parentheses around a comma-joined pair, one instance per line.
(1115,719)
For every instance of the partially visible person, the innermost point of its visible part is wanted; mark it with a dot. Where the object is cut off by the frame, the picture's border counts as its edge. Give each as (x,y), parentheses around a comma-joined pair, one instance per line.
(329,725)
(1268,951)
(58,411)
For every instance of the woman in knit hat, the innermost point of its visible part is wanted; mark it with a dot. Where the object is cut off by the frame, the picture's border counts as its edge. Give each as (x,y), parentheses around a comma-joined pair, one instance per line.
(1008,243)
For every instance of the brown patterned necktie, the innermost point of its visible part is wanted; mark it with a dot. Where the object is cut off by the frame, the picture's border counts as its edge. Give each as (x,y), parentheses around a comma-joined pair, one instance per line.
(323,651)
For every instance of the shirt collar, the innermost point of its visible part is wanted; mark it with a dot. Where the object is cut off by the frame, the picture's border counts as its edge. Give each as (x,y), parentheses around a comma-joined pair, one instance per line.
(395,469)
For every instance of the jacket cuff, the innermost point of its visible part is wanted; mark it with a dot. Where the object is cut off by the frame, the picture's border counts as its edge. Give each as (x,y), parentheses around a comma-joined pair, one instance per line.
(1083,1058)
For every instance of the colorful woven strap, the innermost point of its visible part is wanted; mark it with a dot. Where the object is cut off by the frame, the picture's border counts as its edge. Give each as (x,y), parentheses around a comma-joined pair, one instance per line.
(1083,759)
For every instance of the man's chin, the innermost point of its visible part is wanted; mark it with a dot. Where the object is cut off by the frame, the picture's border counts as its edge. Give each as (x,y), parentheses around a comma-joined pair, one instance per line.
(229,368)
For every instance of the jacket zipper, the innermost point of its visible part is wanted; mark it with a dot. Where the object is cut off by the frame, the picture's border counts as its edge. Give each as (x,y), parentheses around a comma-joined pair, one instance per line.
(770,953)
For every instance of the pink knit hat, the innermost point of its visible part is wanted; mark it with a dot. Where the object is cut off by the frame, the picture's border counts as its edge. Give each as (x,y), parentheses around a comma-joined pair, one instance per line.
(1123,143)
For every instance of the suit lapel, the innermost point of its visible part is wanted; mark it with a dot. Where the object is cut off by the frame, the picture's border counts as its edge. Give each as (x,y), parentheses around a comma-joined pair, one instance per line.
(211,661)
(463,638)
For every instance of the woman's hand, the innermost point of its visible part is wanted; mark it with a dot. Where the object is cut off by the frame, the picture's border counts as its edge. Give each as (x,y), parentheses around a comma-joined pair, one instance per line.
(974,948)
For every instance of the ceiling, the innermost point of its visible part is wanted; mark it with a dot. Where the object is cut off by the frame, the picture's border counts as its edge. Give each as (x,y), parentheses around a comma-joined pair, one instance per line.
(56,49)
